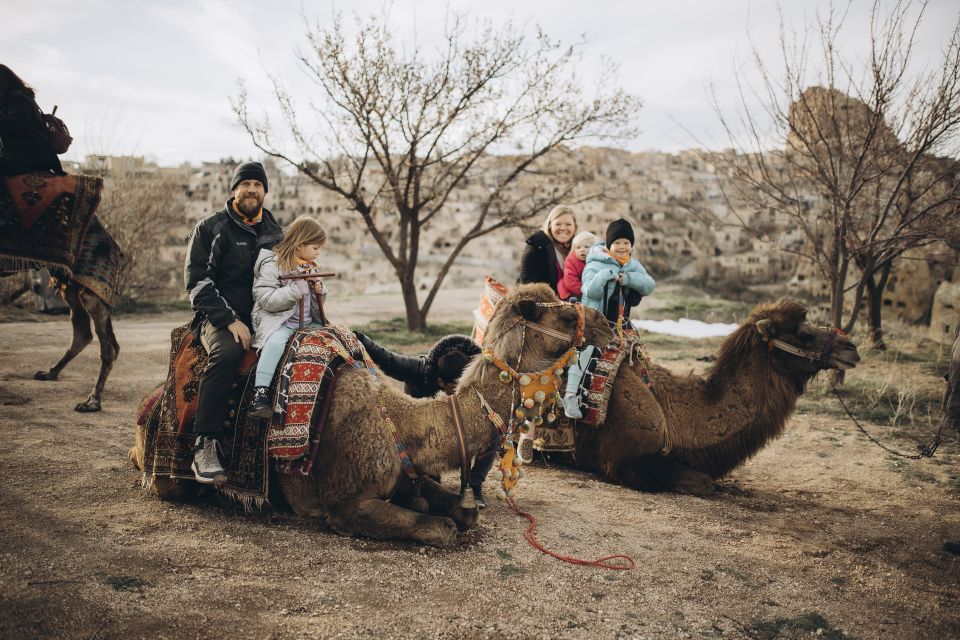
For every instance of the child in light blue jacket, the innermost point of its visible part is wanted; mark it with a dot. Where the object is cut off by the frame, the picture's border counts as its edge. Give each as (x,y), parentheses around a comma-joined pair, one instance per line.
(613,283)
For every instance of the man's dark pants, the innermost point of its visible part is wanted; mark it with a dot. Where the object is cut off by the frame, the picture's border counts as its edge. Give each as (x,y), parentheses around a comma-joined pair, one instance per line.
(481,466)
(224,356)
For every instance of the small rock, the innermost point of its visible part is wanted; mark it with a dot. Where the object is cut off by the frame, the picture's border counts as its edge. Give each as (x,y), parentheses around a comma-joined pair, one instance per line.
(819,632)
(283,612)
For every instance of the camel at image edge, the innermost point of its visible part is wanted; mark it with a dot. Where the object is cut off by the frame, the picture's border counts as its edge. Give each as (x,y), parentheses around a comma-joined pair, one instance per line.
(357,467)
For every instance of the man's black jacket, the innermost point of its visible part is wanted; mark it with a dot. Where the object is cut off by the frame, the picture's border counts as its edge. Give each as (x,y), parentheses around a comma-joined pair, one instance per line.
(418,373)
(218,271)
(410,370)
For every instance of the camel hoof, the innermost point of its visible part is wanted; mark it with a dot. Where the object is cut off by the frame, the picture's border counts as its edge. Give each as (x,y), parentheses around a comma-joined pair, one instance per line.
(465,518)
(447,533)
(90,405)
(44,375)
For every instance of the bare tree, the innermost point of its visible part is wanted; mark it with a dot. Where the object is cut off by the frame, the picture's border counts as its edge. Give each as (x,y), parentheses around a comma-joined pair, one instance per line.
(141,210)
(404,131)
(860,165)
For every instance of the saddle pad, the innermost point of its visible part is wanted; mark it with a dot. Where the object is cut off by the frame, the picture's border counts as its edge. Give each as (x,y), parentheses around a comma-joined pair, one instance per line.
(44,219)
(169,425)
(595,391)
(301,376)
(493,293)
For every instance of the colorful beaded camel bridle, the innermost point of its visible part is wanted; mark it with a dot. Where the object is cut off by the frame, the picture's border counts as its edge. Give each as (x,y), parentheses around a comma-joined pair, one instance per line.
(534,394)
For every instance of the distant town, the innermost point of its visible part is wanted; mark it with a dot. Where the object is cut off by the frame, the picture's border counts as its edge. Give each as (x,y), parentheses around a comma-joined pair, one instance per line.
(685,231)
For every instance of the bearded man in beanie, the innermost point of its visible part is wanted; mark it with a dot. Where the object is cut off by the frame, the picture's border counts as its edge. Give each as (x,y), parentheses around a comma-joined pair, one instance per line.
(218,274)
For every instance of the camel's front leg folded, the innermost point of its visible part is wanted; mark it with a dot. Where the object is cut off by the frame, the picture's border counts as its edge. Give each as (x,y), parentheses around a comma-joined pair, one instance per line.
(444,502)
(376,518)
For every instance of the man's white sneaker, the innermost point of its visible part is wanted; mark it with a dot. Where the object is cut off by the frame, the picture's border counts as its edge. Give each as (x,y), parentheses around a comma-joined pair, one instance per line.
(206,463)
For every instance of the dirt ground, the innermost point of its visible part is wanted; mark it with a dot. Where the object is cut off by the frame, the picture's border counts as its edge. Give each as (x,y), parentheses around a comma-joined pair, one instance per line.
(820,535)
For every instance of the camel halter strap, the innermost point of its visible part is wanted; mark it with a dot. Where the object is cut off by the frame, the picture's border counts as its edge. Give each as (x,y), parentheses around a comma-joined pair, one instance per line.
(467,500)
(815,356)
(576,338)
(494,417)
(405,463)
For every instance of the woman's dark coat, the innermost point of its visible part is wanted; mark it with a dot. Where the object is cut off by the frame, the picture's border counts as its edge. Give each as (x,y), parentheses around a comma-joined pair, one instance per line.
(539,261)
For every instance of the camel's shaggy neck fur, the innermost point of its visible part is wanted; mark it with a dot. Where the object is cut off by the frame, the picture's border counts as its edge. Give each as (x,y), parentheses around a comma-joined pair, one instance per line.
(742,403)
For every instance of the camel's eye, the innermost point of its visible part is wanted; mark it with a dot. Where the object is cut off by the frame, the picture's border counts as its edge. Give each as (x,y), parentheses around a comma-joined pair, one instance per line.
(569,316)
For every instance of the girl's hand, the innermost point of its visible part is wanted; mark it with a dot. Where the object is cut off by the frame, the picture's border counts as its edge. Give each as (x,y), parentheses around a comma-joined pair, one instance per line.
(620,278)
(317,286)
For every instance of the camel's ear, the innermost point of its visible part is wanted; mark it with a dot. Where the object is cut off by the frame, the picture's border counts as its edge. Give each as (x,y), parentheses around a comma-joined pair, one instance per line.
(529,310)
(766,328)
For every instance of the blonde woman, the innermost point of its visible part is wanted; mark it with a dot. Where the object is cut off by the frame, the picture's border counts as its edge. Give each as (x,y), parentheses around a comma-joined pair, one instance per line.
(281,306)
(546,250)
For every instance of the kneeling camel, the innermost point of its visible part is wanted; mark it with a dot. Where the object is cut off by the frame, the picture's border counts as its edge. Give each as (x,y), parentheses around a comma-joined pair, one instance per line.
(358,468)
(689,430)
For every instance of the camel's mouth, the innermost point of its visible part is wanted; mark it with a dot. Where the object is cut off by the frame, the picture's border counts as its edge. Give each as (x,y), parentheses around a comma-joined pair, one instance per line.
(845,358)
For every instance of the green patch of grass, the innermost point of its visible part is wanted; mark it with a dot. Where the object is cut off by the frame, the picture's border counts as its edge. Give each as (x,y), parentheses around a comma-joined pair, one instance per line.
(953,481)
(503,553)
(394,331)
(125,583)
(126,306)
(899,399)
(701,308)
(809,622)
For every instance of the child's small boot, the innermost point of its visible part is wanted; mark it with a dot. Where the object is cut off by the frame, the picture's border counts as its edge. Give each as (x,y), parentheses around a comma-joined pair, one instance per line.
(571,406)
(260,404)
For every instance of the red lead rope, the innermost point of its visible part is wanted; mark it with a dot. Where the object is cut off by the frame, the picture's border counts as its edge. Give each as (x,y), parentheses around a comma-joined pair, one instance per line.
(531,536)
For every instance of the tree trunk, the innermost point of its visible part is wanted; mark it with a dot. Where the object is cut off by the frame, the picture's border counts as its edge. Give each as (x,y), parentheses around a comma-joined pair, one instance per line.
(416,319)
(875,308)
(951,401)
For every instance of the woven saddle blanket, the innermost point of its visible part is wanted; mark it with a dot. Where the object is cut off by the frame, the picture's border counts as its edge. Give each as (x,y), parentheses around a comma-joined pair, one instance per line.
(306,373)
(44,219)
(596,388)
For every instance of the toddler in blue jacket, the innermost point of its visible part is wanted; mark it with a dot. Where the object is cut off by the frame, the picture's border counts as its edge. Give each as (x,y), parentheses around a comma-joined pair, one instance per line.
(613,283)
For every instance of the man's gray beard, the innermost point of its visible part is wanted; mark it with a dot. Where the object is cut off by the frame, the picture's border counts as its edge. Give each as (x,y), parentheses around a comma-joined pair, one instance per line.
(242,207)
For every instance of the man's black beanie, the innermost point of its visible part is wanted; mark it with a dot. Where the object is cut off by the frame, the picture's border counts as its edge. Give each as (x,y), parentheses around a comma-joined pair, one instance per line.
(249,171)
(619,229)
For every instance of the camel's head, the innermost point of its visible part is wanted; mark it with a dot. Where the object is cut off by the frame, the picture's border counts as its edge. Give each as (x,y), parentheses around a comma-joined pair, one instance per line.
(798,344)
(519,321)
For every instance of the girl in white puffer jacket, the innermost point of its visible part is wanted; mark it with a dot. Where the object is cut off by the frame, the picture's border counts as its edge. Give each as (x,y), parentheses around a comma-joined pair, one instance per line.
(281,306)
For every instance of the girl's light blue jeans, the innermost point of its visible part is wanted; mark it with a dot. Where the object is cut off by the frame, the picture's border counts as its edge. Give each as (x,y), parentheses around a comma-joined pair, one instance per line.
(272,351)
(576,370)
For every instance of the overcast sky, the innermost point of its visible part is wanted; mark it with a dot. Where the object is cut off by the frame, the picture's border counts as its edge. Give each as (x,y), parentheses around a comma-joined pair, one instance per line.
(155,78)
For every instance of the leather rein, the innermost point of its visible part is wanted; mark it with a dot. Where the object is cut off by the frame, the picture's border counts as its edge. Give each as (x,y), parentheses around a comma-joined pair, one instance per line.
(815,356)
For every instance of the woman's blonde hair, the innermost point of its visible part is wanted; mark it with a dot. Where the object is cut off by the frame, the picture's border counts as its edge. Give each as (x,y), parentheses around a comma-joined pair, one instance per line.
(556,212)
(304,230)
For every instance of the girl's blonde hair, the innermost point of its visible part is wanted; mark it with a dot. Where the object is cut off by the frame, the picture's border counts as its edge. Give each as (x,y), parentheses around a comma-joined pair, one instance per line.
(304,230)
(556,212)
